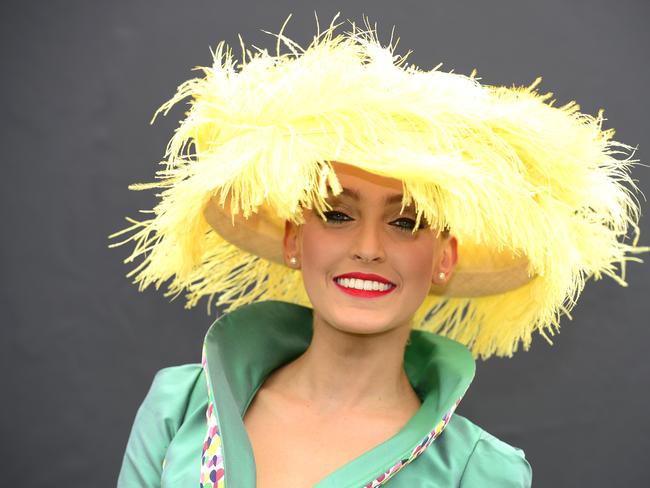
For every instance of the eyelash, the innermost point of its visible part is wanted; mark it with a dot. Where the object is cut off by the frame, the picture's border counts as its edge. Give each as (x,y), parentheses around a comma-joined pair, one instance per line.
(336,217)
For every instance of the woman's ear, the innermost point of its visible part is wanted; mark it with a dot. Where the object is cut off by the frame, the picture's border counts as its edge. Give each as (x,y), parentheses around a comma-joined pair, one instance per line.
(290,244)
(447,261)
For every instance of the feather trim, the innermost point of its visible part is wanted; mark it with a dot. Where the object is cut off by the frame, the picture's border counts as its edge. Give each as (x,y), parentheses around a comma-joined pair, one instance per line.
(502,167)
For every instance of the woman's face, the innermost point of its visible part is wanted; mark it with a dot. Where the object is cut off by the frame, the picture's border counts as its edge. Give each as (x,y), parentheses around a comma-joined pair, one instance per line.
(364,268)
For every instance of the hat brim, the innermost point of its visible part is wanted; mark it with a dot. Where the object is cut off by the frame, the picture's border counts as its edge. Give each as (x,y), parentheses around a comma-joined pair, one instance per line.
(262,234)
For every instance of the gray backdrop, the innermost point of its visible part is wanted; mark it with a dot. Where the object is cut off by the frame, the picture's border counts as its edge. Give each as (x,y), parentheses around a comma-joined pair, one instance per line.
(80,345)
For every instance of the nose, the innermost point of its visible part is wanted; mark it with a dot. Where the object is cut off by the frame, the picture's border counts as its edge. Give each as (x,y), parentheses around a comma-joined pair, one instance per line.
(368,246)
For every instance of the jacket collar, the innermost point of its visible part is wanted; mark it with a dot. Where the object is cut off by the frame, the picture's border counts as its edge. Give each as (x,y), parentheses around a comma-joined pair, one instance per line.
(242,348)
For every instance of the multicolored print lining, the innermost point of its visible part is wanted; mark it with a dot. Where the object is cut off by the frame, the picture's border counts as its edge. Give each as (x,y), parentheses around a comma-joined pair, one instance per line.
(419,449)
(212,470)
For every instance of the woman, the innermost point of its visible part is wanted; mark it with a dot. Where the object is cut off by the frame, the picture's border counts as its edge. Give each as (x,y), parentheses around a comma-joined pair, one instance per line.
(386,198)
(366,269)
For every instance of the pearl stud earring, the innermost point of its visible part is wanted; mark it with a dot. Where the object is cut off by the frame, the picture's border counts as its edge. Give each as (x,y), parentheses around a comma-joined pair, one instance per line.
(442,276)
(293,261)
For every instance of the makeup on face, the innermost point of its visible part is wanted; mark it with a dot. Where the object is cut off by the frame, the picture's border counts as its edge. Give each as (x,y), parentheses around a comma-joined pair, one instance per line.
(366,262)
(349,200)
(364,285)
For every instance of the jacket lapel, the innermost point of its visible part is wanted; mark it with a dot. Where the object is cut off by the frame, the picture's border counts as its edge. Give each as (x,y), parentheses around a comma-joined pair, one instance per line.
(242,348)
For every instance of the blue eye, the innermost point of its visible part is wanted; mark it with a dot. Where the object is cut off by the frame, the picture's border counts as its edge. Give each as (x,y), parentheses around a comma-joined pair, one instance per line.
(408,224)
(404,224)
(336,217)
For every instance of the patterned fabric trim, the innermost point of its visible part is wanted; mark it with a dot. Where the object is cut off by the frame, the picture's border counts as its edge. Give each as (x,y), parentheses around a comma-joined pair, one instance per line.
(212,470)
(419,449)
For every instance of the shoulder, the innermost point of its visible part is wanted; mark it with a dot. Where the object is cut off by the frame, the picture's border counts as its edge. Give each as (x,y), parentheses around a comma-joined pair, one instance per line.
(493,462)
(175,393)
(172,378)
(465,455)
(173,389)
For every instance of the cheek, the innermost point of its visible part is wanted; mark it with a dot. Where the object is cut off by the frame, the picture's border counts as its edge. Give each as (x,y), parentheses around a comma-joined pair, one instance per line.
(319,249)
(417,262)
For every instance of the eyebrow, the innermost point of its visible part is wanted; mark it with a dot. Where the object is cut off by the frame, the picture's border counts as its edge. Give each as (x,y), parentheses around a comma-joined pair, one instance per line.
(354,195)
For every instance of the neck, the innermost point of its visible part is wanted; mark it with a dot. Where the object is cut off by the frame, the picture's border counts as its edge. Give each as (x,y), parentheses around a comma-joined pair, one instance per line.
(341,371)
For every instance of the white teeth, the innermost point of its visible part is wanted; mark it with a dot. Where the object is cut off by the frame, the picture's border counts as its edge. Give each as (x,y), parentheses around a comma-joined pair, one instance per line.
(359,284)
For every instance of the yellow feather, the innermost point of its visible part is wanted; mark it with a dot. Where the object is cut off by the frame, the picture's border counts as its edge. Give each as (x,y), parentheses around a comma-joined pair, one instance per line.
(502,167)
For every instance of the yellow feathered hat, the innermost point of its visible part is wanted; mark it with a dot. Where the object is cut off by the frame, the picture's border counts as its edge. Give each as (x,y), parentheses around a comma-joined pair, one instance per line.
(539,197)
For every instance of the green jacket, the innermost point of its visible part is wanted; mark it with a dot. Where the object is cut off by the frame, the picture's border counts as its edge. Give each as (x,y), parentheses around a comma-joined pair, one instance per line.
(169,445)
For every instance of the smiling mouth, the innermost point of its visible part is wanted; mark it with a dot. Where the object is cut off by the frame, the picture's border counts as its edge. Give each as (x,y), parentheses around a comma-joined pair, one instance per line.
(364,285)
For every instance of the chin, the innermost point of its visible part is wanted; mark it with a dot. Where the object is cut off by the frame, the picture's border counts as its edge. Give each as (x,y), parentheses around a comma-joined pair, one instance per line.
(362,322)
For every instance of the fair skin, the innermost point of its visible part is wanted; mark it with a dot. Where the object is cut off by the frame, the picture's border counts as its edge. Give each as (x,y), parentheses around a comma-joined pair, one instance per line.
(348,392)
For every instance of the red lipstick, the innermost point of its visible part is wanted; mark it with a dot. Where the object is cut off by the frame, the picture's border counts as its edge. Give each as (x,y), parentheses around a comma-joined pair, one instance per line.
(346,283)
